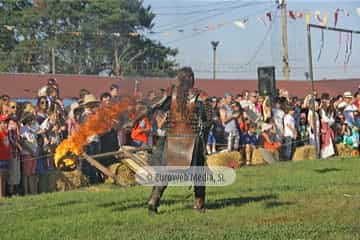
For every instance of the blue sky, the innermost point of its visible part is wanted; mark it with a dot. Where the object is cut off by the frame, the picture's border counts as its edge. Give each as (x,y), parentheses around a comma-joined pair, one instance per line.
(241,50)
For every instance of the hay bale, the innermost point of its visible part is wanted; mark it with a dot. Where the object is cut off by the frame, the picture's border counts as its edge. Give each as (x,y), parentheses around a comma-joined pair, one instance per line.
(113,169)
(66,181)
(343,150)
(257,157)
(125,174)
(269,156)
(307,152)
(225,159)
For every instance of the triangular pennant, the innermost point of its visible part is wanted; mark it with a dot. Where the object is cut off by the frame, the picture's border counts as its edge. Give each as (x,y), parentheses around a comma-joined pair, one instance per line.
(299,14)
(292,14)
(317,16)
(210,27)
(325,20)
(307,17)
(241,24)
(262,20)
(336,17)
(268,14)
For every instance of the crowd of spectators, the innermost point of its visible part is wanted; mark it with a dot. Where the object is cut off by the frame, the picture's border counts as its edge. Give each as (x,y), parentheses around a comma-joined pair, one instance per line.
(30,133)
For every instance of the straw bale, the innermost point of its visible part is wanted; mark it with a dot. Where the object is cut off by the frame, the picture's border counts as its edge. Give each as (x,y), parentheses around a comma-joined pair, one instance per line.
(307,152)
(127,176)
(343,150)
(257,157)
(66,181)
(225,159)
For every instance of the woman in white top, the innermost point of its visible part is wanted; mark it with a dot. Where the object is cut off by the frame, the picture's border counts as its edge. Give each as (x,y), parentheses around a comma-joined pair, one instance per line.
(311,129)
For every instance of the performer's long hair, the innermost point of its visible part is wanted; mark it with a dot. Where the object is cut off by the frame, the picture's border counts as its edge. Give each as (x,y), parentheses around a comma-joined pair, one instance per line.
(186,81)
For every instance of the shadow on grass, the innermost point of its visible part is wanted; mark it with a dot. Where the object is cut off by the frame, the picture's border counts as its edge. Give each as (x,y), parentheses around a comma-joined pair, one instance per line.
(217,204)
(143,204)
(326,170)
(274,204)
(222,203)
(68,203)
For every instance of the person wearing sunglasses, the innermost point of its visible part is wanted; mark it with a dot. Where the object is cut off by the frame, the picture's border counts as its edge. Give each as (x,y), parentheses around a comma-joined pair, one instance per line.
(42,110)
(12,108)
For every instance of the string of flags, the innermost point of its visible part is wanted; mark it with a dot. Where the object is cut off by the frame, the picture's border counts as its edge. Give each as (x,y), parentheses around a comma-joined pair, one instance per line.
(264,19)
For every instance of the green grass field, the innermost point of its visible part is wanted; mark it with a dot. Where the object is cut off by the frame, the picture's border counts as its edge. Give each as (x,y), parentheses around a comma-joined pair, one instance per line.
(295,200)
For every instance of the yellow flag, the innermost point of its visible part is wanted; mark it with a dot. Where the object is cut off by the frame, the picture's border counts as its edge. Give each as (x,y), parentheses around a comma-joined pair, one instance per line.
(307,18)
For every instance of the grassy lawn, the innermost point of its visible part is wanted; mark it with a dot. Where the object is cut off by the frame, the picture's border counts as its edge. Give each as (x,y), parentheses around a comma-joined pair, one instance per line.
(295,200)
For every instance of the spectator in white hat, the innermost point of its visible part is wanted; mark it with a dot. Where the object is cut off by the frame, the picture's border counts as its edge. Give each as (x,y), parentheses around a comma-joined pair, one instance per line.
(349,108)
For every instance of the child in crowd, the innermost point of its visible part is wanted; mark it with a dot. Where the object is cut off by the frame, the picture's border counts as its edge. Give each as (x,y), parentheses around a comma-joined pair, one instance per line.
(303,131)
(290,133)
(29,152)
(250,139)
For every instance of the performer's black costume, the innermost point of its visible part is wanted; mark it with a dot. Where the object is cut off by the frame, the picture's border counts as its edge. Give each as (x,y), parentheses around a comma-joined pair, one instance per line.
(186,131)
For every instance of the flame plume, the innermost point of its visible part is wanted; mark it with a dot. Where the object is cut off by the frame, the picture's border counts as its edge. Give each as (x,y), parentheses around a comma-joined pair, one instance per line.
(99,123)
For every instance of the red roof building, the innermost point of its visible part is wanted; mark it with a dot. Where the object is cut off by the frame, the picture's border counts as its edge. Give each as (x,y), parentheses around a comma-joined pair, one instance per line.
(27,85)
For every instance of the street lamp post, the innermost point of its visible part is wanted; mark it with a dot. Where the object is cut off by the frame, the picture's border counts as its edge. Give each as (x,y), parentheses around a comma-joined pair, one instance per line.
(214,46)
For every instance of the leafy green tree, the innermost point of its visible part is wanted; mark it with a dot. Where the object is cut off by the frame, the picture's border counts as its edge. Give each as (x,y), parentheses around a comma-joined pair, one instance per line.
(81,37)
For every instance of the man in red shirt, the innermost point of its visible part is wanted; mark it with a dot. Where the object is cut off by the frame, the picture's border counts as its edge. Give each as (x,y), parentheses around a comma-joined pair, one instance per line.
(4,153)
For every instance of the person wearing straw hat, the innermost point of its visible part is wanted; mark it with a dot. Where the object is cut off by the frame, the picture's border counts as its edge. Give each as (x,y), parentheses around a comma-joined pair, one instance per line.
(90,104)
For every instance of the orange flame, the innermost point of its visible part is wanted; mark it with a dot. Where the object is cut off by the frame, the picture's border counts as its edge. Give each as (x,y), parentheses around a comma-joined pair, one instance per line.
(99,123)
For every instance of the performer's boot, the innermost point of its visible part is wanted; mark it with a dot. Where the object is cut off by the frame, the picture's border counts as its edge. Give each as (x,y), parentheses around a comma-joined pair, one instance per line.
(154,200)
(199,204)
(199,198)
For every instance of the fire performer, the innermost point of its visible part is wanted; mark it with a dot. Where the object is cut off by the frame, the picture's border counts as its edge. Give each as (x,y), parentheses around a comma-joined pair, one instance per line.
(182,127)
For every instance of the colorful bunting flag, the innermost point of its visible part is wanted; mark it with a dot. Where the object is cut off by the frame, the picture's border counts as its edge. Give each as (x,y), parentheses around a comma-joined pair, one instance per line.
(358,11)
(307,17)
(241,24)
(317,15)
(336,17)
(299,14)
(268,14)
(262,20)
(292,14)
(325,20)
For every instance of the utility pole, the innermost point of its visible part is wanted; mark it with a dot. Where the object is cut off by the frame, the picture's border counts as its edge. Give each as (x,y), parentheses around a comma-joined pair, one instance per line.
(311,75)
(286,68)
(214,45)
(53,69)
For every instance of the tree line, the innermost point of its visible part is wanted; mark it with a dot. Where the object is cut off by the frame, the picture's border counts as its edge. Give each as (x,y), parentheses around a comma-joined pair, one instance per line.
(81,37)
